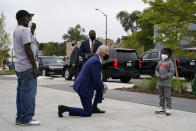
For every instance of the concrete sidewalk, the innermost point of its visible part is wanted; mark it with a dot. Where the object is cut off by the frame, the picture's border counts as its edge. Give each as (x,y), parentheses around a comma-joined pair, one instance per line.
(120,115)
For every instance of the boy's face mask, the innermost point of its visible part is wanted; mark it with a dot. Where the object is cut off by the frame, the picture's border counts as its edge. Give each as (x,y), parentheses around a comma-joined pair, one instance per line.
(164,56)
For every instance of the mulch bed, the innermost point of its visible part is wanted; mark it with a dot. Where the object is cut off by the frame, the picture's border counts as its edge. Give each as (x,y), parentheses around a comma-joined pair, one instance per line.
(187,95)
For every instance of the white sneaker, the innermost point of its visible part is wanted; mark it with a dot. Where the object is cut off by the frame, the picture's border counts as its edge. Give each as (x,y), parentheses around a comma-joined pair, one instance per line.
(168,112)
(34,122)
(160,111)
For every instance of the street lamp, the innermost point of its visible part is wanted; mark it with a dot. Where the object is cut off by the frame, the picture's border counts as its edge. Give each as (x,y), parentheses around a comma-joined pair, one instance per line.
(106,24)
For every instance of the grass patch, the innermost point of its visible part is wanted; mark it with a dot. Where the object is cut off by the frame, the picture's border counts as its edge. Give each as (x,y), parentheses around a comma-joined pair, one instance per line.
(150,86)
(10,72)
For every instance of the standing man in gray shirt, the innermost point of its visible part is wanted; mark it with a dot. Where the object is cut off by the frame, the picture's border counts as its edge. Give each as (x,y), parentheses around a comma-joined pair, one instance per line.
(164,72)
(26,71)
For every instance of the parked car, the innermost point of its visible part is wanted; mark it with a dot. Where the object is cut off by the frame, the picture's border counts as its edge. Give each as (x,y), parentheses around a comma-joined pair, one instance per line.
(49,65)
(67,68)
(148,62)
(120,65)
(187,66)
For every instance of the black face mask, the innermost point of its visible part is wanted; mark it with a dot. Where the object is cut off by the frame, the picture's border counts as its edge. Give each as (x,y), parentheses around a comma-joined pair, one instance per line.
(106,57)
(92,38)
(72,44)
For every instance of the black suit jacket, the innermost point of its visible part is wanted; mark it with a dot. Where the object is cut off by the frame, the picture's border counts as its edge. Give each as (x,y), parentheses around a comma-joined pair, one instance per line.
(74,58)
(85,48)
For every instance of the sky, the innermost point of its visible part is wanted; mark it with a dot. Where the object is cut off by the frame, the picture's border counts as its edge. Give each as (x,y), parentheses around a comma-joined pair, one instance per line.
(54,17)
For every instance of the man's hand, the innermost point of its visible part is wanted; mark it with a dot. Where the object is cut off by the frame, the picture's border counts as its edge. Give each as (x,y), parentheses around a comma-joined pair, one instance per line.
(105,88)
(73,65)
(90,55)
(35,73)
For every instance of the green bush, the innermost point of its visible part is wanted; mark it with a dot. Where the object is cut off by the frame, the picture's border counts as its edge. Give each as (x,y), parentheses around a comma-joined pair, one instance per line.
(183,85)
(10,72)
(150,85)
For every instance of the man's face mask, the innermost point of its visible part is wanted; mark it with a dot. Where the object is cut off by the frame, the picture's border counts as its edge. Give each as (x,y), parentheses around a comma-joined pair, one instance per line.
(27,20)
(106,57)
(72,44)
(92,37)
(30,24)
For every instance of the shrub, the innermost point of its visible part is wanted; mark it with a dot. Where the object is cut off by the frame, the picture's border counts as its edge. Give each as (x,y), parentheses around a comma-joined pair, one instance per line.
(183,85)
(150,85)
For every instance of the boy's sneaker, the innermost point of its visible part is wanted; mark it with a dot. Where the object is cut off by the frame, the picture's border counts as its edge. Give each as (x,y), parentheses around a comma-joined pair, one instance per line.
(160,111)
(168,112)
(34,122)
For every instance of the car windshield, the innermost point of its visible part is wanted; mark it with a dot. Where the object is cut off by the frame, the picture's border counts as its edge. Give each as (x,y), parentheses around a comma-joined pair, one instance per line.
(126,55)
(52,60)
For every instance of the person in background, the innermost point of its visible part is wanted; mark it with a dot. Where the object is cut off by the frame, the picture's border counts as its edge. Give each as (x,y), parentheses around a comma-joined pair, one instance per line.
(74,59)
(34,45)
(164,72)
(89,47)
(26,71)
(88,81)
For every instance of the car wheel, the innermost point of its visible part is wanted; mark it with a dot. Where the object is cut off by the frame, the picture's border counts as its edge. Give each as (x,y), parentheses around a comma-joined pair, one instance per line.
(63,73)
(68,75)
(103,77)
(125,79)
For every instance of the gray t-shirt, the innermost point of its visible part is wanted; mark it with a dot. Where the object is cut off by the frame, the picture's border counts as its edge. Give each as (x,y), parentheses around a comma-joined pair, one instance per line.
(22,36)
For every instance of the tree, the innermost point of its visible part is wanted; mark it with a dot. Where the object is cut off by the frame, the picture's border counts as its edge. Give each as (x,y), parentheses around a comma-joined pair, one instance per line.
(75,33)
(53,48)
(133,43)
(129,21)
(4,38)
(142,39)
(172,19)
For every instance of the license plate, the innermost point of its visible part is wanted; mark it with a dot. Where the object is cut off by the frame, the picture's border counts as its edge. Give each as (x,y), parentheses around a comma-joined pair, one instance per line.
(192,63)
(129,64)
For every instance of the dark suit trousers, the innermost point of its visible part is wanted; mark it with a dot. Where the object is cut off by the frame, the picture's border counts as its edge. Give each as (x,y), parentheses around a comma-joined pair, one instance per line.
(87,105)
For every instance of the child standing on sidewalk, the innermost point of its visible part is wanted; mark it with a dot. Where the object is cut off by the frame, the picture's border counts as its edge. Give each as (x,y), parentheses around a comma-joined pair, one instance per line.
(164,72)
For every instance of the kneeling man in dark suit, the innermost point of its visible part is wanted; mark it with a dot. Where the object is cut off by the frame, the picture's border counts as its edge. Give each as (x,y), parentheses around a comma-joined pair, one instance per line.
(88,81)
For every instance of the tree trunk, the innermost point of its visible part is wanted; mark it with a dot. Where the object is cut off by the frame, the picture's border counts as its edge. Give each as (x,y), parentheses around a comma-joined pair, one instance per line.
(176,70)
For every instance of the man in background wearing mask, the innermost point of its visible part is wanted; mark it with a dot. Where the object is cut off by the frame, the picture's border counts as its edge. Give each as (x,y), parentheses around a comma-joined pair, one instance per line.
(26,71)
(88,81)
(74,59)
(89,47)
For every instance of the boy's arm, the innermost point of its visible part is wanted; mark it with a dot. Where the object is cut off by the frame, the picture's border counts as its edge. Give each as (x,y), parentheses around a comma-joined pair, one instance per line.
(157,70)
(170,73)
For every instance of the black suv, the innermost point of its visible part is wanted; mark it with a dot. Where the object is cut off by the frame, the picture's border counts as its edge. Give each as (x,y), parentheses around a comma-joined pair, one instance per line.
(148,62)
(120,65)
(49,65)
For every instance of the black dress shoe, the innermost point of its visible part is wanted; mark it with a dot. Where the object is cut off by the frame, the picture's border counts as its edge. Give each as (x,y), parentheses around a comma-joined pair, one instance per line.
(60,110)
(97,110)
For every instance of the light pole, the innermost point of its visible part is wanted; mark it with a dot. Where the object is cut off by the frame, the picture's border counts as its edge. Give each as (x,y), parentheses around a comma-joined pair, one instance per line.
(106,24)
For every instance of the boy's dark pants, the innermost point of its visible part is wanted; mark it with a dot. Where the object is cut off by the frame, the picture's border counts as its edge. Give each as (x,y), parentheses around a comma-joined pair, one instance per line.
(165,97)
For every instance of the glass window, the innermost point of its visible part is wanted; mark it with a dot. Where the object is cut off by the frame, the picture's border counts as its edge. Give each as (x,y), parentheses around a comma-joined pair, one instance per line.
(154,55)
(145,56)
